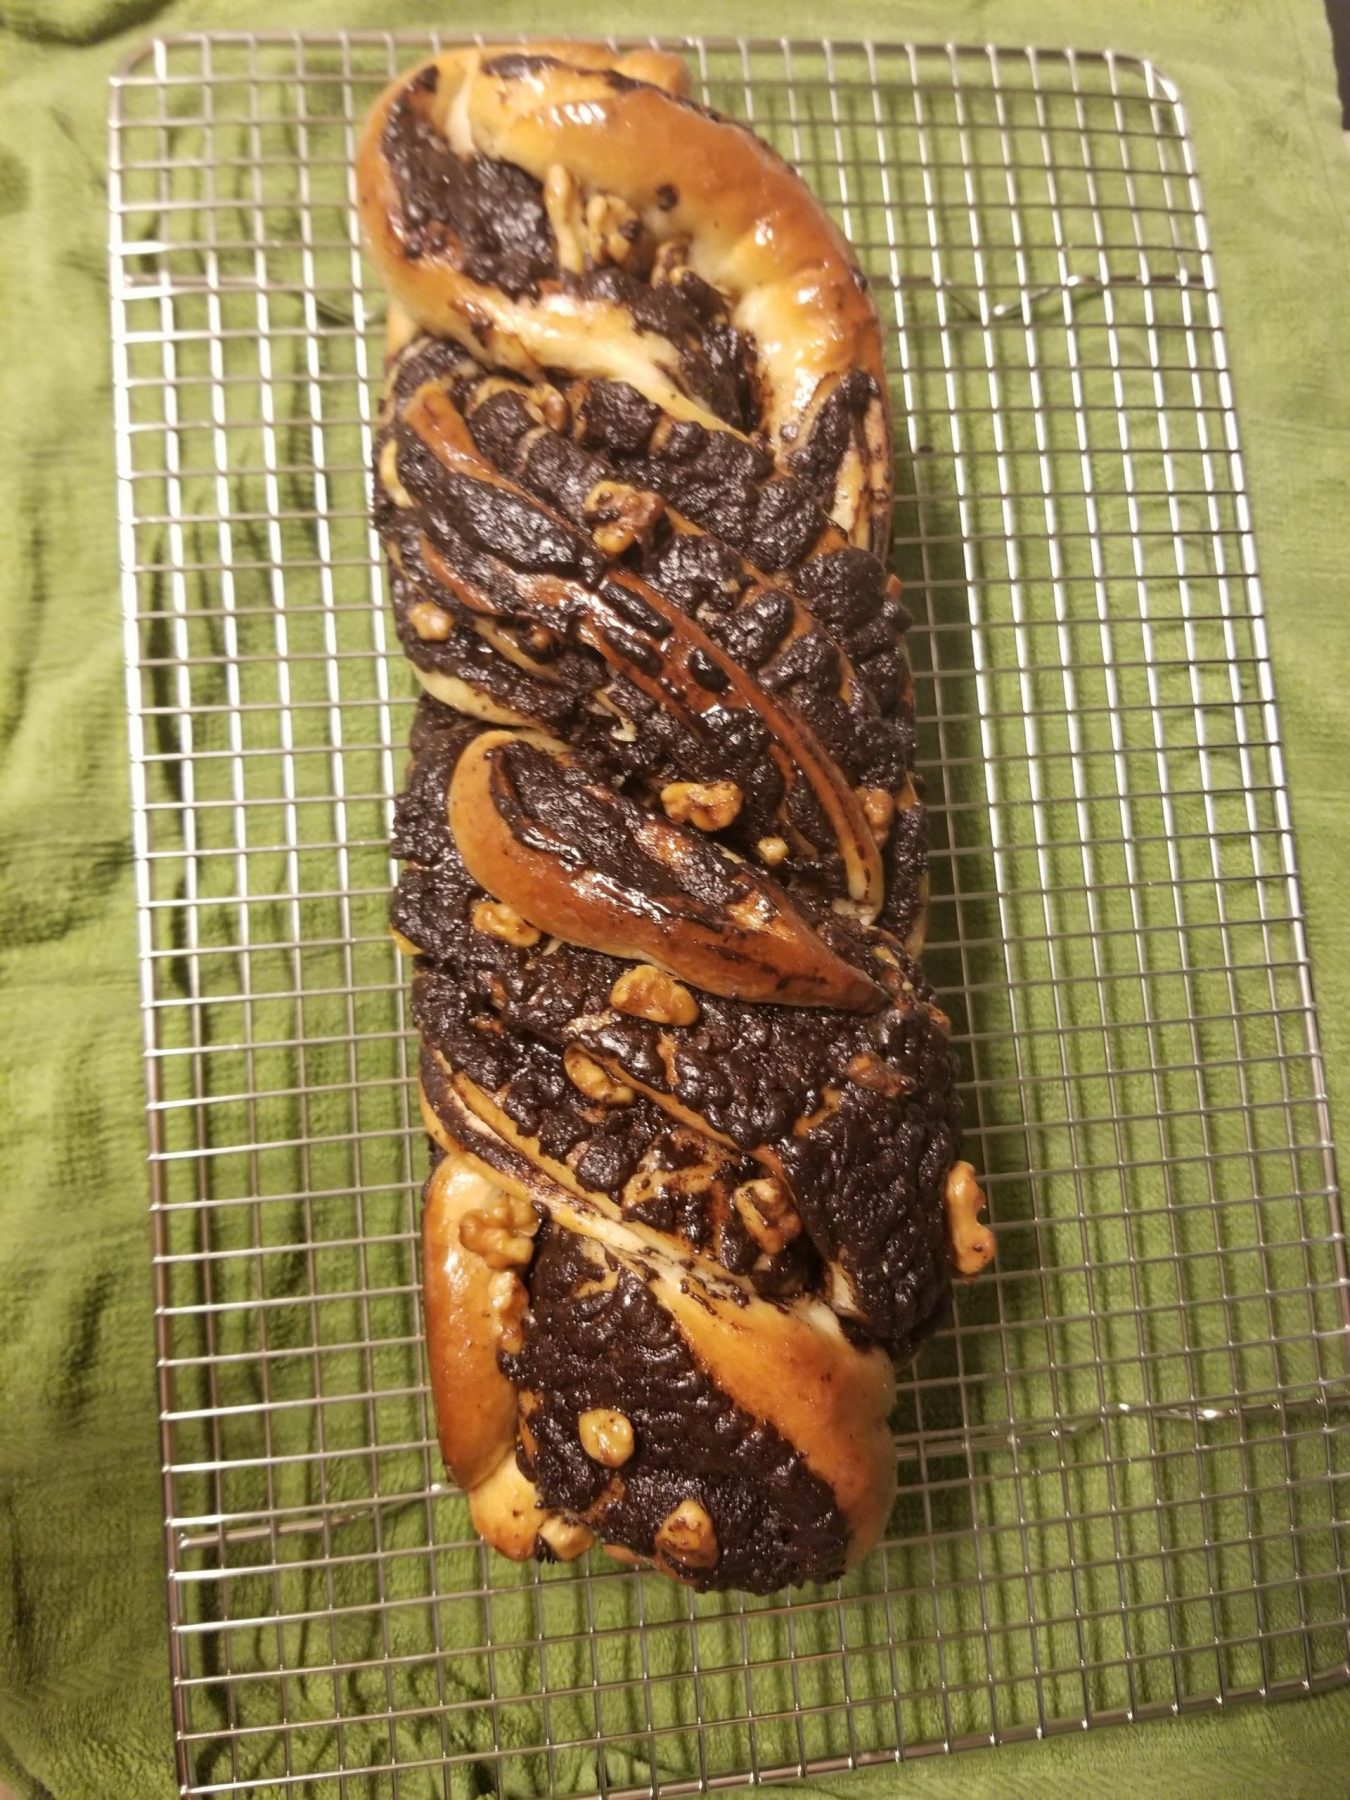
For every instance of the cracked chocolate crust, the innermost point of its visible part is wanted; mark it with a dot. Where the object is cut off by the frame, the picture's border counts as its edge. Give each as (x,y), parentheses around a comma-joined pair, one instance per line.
(663,839)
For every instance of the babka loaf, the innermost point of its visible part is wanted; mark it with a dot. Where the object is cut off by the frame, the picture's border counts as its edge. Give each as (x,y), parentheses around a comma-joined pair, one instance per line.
(695,1182)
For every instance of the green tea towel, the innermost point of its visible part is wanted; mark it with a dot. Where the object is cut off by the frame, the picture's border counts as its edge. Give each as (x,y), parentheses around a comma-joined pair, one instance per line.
(83,1660)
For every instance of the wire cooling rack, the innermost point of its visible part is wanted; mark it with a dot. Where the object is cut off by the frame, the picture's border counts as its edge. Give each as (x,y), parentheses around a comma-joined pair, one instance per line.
(1123,1463)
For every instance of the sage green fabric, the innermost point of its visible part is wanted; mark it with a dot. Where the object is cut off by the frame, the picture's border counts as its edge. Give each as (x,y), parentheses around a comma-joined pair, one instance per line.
(83,1663)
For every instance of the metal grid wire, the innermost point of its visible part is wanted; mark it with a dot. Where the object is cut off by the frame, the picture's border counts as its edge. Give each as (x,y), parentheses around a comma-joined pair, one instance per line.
(1123,1463)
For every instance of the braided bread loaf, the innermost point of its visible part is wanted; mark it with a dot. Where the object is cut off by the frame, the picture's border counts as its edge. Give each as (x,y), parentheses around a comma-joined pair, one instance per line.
(664,880)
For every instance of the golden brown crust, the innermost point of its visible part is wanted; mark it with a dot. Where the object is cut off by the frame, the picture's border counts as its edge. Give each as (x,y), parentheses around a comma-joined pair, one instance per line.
(793,1367)
(972,1241)
(504,1504)
(475,1403)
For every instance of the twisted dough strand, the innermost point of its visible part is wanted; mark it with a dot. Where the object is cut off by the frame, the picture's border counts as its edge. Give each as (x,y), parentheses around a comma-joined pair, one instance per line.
(664,857)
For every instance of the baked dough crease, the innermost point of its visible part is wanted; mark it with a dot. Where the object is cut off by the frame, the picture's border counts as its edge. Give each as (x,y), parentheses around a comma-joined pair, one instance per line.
(695,1182)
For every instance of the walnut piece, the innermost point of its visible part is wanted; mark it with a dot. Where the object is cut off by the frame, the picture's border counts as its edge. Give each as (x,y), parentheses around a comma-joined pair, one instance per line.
(430,622)
(502,1233)
(552,406)
(621,516)
(972,1243)
(767,1213)
(871,1071)
(566,1538)
(595,1082)
(612,229)
(878,809)
(686,1536)
(539,640)
(497,919)
(707,805)
(647,992)
(508,1301)
(389,480)
(772,850)
(670,261)
(753,911)
(606,1436)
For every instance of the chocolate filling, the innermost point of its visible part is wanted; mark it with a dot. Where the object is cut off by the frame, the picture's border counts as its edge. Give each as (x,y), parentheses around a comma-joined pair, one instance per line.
(715,362)
(834,428)
(704,575)
(493,536)
(488,217)
(458,987)
(461,517)
(776,1523)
